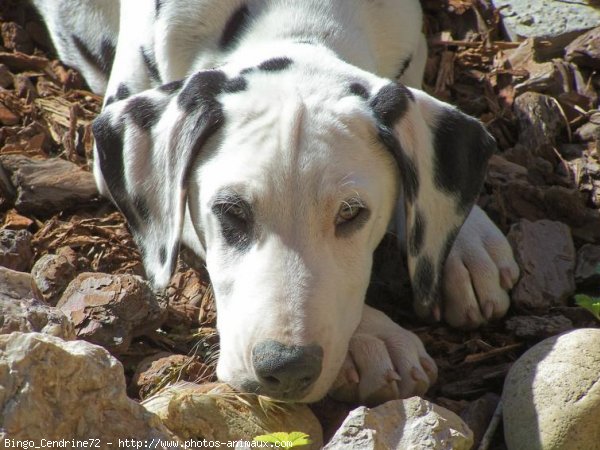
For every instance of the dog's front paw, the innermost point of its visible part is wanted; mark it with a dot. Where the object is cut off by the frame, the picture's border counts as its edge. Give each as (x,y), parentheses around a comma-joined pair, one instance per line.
(479,272)
(384,362)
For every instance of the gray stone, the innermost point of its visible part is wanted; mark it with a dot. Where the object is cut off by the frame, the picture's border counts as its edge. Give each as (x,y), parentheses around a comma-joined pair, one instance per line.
(110,310)
(585,50)
(53,389)
(20,310)
(551,395)
(589,131)
(15,249)
(400,425)
(553,20)
(545,253)
(52,274)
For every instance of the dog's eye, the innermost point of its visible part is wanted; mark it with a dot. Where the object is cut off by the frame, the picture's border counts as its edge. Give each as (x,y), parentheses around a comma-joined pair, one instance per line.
(349,210)
(235,218)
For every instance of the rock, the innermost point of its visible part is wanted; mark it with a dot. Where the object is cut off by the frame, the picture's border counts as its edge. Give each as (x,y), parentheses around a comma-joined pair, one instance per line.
(52,274)
(6,78)
(545,253)
(53,389)
(551,395)
(24,88)
(110,310)
(16,38)
(587,270)
(551,20)
(15,249)
(402,424)
(7,117)
(589,131)
(214,412)
(478,413)
(48,186)
(20,310)
(538,327)
(585,50)
(540,122)
(164,368)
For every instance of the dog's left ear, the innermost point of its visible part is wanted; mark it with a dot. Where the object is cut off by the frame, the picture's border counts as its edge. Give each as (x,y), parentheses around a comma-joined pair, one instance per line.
(442,157)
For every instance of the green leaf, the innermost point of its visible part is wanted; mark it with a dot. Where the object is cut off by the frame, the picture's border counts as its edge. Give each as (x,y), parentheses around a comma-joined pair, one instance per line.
(285,440)
(592,304)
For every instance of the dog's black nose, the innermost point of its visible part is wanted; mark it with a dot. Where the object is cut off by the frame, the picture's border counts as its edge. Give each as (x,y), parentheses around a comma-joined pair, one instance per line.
(286,371)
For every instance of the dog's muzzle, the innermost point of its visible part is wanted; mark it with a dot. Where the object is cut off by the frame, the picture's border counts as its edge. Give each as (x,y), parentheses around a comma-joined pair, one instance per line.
(284,372)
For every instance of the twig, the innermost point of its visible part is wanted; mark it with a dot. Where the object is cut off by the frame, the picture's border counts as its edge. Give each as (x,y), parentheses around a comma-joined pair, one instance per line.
(486,440)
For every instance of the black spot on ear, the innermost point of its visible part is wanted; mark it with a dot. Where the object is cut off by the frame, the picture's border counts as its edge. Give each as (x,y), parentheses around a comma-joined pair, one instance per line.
(107,53)
(171,87)
(122,92)
(143,111)
(234,26)
(417,234)
(141,206)
(462,149)
(360,90)
(201,89)
(409,175)
(102,62)
(236,84)
(423,282)
(391,103)
(162,255)
(150,63)
(404,66)
(275,64)
(109,100)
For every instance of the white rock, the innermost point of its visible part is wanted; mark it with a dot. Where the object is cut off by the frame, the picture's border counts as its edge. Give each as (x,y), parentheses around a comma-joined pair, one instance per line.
(20,310)
(52,389)
(411,423)
(552,395)
(555,20)
(214,412)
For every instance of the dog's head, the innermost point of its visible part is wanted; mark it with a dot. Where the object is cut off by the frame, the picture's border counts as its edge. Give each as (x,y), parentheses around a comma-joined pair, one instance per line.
(289,171)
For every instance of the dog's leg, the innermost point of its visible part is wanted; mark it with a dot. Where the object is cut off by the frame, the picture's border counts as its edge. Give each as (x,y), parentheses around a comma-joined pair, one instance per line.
(384,362)
(84,33)
(479,272)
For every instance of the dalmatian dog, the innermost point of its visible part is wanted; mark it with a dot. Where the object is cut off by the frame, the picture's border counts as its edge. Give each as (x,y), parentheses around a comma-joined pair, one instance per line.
(280,140)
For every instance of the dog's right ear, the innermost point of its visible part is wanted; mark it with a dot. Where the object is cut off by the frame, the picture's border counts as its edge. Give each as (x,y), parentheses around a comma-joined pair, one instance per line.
(145,148)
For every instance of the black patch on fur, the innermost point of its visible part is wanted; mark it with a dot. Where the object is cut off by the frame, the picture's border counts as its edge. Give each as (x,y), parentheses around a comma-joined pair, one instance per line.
(275,64)
(142,207)
(162,255)
(150,63)
(424,280)
(417,234)
(391,103)
(122,92)
(234,27)
(109,100)
(143,111)
(462,149)
(157,6)
(236,84)
(409,174)
(102,62)
(247,70)
(171,87)
(201,89)
(360,90)
(404,66)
